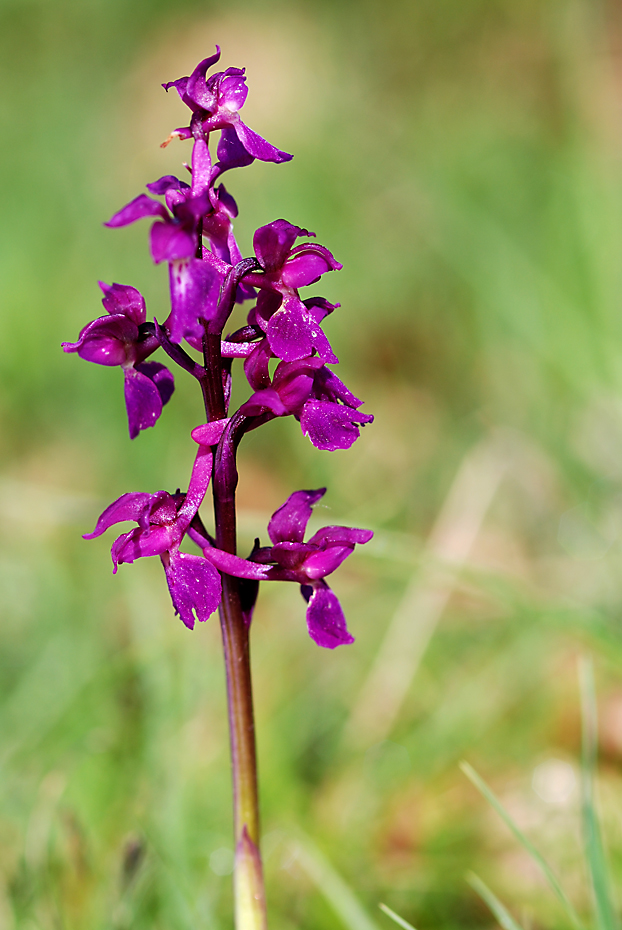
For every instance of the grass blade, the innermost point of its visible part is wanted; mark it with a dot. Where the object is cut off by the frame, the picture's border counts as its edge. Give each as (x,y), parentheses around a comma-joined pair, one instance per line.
(396,917)
(594,850)
(498,909)
(547,871)
(337,892)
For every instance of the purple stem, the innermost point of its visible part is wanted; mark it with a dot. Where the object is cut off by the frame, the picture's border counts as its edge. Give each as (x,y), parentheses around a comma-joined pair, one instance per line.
(248,876)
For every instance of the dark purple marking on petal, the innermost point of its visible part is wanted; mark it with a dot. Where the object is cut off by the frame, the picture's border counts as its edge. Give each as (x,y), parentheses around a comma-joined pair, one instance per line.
(142,401)
(289,522)
(325,620)
(137,209)
(331,426)
(194,585)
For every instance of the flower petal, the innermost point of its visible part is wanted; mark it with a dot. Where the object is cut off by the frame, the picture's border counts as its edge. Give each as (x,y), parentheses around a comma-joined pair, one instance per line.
(194,585)
(289,522)
(106,341)
(137,209)
(141,544)
(169,242)
(290,331)
(142,400)
(161,377)
(195,286)
(325,620)
(167,183)
(331,426)
(121,298)
(127,507)
(230,152)
(258,147)
(273,243)
(209,433)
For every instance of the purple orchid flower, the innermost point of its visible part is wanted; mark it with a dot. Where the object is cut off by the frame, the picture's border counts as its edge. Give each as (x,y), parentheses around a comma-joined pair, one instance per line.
(311,392)
(194,283)
(293,331)
(163,520)
(307,563)
(215,103)
(123,339)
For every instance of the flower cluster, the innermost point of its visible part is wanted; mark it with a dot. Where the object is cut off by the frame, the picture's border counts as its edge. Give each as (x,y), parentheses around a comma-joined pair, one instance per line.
(192,230)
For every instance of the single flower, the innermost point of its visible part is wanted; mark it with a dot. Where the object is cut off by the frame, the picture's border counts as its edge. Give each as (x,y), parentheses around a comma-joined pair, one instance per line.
(291,325)
(215,102)
(163,520)
(307,389)
(124,338)
(289,558)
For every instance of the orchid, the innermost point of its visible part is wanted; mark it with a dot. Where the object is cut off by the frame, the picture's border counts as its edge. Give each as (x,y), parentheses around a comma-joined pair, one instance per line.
(286,356)
(124,338)
(307,563)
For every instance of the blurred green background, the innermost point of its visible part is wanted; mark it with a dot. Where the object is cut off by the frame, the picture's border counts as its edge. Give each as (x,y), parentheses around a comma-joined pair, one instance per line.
(464,161)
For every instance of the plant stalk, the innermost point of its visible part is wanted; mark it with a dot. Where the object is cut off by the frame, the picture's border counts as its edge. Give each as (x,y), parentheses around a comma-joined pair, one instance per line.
(249,893)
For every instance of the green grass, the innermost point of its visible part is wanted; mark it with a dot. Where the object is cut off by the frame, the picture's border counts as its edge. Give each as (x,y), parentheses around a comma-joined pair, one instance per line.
(463,161)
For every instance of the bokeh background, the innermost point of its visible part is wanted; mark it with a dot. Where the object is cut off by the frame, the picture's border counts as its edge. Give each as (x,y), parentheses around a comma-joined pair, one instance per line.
(464,161)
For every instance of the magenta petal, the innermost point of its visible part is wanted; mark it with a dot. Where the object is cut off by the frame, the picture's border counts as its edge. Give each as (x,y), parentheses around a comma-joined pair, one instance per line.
(167,183)
(263,400)
(142,400)
(256,366)
(304,269)
(341,536)
(196,89)
(161,377)
(126,507)
(199,482)
(140,544)
(289,522)
(201,167)
(194,585)
(236,566)
(290,332)
(258,147)
(106,341)
(231,153)
(325,620)
(169,242)
(273,243)
(319,564)
(330,426)
(137,209)
(121,298)
(195,286)
(209,433)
